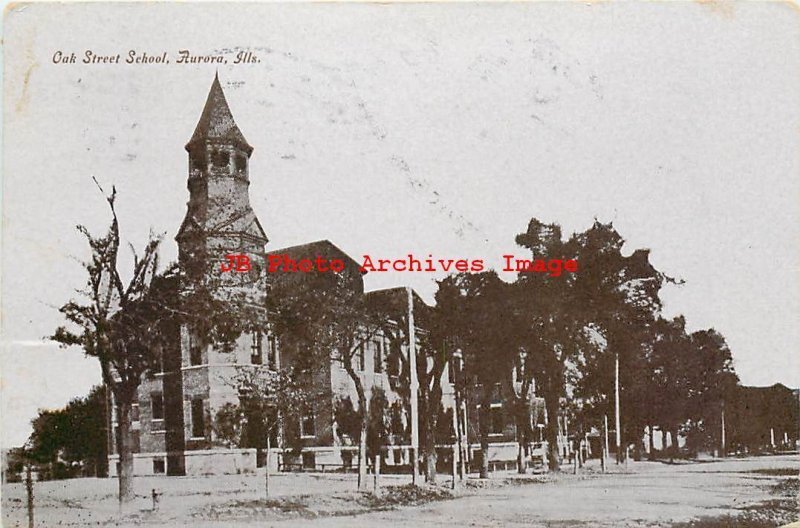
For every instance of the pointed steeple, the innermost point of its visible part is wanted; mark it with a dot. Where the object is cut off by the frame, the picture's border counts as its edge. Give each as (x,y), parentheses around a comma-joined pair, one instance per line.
(216,122)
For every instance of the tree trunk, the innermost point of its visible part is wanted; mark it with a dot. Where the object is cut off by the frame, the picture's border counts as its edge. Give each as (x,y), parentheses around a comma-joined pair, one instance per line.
(522,419)
(427,435)
(428,440)
(551,401)
(484,417)
(125,451)
(674,435)
(430,466)
(651,444)
(362,456)
(266,465)
(522,462)
(362,435)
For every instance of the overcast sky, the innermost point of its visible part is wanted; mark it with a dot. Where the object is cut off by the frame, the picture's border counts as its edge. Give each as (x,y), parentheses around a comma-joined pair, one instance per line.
(424,129)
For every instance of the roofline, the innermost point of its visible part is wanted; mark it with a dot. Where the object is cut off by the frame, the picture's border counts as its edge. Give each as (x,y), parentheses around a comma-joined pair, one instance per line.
(322,241)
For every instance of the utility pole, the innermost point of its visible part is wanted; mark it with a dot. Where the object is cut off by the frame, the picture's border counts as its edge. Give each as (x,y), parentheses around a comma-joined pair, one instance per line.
(412,362)
(267,462)
(29,491)
(722,453)
(616,408)
(458,368)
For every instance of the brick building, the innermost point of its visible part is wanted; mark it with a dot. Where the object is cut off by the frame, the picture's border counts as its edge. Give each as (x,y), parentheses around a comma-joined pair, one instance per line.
(173,417)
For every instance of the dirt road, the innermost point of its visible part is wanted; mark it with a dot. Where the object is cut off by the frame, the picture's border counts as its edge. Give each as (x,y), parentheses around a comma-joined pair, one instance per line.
(650,494)
(646,494)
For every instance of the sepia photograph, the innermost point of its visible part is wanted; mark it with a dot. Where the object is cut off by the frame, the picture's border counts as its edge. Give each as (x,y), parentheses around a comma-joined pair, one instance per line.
(402,264)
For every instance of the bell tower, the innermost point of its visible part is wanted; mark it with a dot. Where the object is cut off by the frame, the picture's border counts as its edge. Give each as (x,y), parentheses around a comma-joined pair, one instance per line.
(219,220)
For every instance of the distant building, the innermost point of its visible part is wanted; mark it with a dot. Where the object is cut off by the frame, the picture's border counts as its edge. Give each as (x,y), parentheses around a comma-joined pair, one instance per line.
(763,418)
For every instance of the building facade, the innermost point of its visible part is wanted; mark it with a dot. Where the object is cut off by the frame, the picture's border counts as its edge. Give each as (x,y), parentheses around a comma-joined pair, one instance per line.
(173,421)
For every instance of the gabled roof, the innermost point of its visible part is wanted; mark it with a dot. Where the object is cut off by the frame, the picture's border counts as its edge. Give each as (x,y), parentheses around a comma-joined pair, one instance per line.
(216,122)
(319,248)
(394,302)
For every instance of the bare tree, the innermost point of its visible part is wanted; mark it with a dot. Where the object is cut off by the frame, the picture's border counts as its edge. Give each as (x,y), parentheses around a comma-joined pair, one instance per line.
(118,322)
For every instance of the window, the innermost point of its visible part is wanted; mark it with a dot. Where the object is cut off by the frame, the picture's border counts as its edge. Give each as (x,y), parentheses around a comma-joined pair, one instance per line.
(272,351)
(241,162)
(160,363)
(307,423)
(309,460)
(195,356)
(157,406)
(497,393)
(195,352)
(377,356)
(394,360)
(135,412)
(220,159)
(198,158)
(256,353)
(360,357)
(158,466)
(198,419)
(496,420)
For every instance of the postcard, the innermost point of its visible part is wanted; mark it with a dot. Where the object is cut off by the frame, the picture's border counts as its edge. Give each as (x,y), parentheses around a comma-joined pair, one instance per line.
(400,264)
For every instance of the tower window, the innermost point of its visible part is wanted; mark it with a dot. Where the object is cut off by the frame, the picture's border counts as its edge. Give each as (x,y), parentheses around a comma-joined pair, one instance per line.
(220,158)
(198,160)
(241,163)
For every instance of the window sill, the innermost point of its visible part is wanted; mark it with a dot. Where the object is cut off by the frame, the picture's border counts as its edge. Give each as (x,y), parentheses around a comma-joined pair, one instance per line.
(306,437)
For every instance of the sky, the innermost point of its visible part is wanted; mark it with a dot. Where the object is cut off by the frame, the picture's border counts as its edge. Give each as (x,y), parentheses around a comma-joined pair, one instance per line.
(392,129)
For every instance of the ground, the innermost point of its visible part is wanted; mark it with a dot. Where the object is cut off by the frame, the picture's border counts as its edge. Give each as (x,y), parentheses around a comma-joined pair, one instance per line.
(742,492)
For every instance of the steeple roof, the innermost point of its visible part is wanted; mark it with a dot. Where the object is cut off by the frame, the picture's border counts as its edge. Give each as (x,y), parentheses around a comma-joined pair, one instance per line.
(216,122)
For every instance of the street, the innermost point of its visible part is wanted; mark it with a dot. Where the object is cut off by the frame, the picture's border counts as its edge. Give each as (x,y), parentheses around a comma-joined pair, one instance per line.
(656,494)
(643,495)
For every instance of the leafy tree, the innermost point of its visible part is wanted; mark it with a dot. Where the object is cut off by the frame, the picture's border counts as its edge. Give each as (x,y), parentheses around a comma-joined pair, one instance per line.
(476,312)
(379,422)
(348,425)
(392,308)
(522,404)
(267,397)
(228,424)
(713,383)
(551,328)
(75,435)
(50,433)
(324,318)
(584,318)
